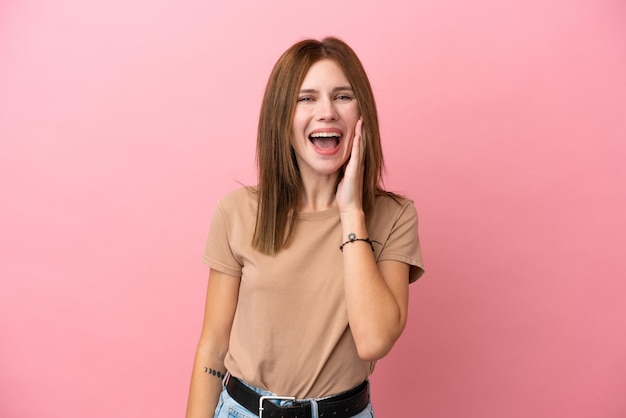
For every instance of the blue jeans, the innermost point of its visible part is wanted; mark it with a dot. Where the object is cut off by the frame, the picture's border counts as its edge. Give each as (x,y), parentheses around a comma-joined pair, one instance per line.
(227,407)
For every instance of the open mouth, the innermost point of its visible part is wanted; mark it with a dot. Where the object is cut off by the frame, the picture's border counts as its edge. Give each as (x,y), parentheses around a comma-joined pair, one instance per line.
(325,140)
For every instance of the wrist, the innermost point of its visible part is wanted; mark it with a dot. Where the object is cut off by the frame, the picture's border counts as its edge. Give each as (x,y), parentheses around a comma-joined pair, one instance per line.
(352,238)
(352,220)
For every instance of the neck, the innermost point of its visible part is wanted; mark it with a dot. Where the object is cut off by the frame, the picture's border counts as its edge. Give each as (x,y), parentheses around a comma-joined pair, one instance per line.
(319,194)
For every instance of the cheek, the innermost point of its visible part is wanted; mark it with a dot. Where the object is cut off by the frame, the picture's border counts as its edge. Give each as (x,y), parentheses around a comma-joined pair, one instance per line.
(353,116)
(299,123)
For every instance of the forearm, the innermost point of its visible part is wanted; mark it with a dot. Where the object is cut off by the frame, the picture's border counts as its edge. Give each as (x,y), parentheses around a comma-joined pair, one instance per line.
(205,387)
(375,314)
(221,302)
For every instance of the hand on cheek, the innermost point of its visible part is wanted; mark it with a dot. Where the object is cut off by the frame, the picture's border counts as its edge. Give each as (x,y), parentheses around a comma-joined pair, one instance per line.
(350,190)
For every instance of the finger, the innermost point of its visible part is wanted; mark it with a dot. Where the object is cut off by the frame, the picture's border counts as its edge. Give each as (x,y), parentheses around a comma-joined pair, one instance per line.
(358,129)
(356,150)
(362,141)
(358,147)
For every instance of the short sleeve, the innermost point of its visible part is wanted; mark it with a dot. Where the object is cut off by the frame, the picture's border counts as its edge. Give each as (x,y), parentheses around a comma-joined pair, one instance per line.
(402,243)
(218,252)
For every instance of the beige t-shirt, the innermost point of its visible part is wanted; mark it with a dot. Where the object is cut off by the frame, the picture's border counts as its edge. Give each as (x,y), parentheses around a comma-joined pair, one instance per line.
(290,334)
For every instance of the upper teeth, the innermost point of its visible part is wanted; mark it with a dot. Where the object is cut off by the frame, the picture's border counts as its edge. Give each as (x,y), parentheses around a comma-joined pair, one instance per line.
(324,134)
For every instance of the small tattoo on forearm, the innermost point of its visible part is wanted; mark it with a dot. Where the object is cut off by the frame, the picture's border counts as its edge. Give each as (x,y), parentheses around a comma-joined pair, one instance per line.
(215,373)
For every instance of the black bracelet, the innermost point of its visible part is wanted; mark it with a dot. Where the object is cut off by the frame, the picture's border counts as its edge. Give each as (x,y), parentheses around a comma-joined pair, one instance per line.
(352,238)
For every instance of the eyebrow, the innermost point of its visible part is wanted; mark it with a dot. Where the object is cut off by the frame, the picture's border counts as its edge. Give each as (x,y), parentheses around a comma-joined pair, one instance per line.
(336,89)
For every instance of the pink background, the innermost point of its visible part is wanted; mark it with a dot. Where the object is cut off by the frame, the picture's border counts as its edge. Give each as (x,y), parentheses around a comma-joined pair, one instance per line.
(123,122)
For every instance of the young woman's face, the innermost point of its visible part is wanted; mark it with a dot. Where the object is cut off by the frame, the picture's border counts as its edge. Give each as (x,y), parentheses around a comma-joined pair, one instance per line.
(324,120)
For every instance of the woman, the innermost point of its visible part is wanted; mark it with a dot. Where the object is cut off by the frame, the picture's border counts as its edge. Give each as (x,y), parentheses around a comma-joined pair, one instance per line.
(309,270)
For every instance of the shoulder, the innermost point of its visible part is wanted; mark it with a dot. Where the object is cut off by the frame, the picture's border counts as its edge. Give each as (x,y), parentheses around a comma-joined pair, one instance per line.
(391,205)
(244,197)
(235,213)
(392,211)
(238,207)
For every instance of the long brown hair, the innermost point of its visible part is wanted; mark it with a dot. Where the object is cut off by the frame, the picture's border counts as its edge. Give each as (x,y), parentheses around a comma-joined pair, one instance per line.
(280,187)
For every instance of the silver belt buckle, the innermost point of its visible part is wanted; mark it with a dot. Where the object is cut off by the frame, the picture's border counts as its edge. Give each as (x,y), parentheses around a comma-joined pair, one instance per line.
(271,397)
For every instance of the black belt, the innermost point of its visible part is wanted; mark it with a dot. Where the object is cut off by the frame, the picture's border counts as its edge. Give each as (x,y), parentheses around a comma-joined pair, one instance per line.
(343,405)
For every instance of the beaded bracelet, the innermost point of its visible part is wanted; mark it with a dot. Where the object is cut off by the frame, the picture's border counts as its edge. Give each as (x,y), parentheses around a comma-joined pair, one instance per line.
(352,238)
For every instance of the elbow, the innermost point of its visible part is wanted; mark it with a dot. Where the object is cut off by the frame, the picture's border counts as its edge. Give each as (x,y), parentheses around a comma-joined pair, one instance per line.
(373,349)
(373,343)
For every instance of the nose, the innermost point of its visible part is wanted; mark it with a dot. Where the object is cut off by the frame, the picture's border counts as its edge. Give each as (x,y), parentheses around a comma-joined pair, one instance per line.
(326,110)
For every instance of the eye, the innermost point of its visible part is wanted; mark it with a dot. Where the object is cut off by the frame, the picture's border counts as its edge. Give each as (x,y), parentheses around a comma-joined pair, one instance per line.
(305,99)
(344,97)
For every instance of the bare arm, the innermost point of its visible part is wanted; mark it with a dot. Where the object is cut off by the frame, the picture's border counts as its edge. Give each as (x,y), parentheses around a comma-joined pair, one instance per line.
(376,294)
(221,302)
